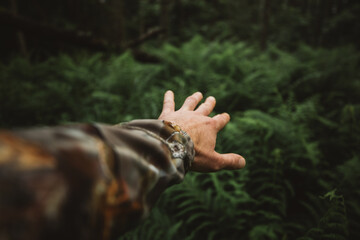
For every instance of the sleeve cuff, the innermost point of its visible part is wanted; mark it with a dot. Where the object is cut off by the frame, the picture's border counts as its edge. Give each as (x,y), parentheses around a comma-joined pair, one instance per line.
(178,141)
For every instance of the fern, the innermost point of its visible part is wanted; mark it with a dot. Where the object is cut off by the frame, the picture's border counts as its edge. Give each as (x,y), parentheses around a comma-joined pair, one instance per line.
(295,118)
(333,224)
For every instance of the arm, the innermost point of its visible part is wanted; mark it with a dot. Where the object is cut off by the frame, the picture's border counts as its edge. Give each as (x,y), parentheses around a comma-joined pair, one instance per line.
(95,181)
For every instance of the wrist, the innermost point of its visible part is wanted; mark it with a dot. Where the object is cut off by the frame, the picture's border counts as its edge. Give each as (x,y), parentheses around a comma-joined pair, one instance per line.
(181,144)
(178,141)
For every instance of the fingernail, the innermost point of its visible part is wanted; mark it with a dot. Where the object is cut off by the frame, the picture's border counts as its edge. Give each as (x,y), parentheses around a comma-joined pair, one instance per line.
(198,93)
(212,98)
(228,115)
(242,162)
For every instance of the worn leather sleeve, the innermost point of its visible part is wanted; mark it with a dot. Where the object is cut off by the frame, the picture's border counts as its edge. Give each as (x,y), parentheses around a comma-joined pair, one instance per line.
(87,181)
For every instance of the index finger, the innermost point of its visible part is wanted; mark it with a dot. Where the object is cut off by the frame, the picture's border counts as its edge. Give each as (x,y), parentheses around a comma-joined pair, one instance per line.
(169,103)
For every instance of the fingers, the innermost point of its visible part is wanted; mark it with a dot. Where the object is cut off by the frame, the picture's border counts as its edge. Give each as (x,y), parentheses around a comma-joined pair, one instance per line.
(229,161)
(221,120)
(192,101)
(207,107)
(169,104)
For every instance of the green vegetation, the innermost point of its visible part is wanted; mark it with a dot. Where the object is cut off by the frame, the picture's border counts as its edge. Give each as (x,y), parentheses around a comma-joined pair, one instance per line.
(286,71)
(295,118)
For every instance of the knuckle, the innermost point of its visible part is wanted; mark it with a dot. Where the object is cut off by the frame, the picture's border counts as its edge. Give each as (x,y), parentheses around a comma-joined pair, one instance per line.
(167,101)
(211,123)
(190,99)
(216,166)
(204,107)
(208,104)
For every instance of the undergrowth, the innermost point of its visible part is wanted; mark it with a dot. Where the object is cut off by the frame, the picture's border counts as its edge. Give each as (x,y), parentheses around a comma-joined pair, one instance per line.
(295,118)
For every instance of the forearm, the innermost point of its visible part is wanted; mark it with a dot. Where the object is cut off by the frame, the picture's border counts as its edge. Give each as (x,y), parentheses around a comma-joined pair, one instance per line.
(86,181)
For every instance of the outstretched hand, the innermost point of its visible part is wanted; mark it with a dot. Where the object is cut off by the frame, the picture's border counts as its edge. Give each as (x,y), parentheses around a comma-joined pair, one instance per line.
(202,130)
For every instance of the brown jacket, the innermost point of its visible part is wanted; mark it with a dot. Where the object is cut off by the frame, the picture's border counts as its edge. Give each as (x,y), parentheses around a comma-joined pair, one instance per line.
(87,181)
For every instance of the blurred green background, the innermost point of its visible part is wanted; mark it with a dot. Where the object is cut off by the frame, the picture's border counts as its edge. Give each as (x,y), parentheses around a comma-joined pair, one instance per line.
(287,71)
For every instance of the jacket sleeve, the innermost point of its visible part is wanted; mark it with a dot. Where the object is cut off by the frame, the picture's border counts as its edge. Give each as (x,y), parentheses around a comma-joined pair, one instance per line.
(87,181)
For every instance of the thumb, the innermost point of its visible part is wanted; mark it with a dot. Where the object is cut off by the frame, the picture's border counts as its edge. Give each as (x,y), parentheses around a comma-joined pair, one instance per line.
(230,161)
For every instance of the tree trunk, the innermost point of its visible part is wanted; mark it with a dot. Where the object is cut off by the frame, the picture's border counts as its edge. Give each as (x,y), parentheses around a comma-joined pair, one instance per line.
(178,23)
(164,17)
(141,15)
(264,23)
(319,22)
(285,4)
(119,26)
(50,33)
(19,34)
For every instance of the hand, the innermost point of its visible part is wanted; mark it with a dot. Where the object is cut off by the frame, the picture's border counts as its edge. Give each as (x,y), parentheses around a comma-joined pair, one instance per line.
(202,130)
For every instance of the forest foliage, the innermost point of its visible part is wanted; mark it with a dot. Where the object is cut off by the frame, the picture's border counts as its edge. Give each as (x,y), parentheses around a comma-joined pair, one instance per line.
(294,103)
